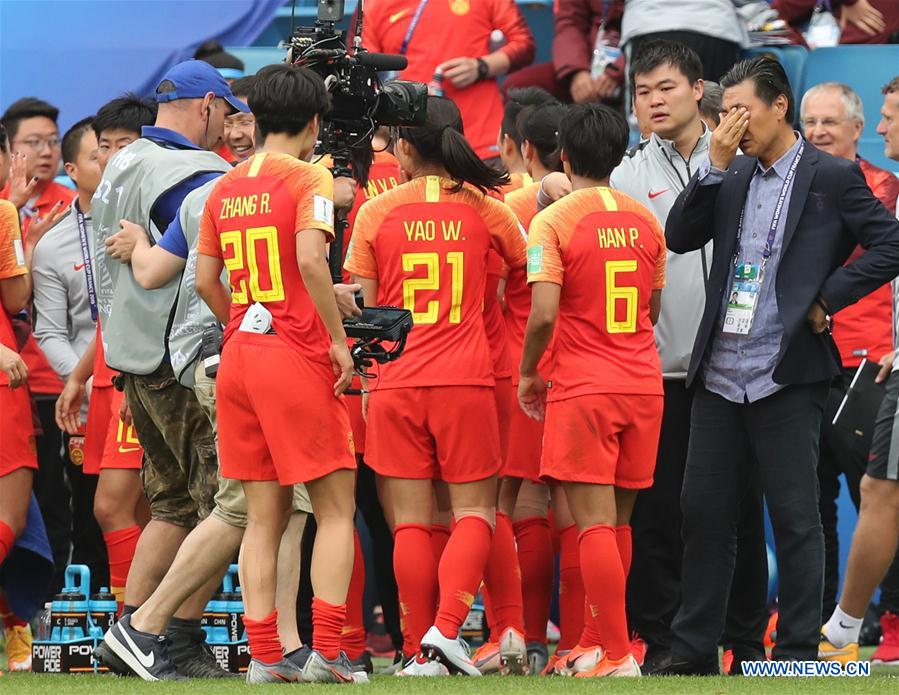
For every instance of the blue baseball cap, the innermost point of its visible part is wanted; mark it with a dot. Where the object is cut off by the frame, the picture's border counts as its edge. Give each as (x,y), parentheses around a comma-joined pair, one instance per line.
(194,79)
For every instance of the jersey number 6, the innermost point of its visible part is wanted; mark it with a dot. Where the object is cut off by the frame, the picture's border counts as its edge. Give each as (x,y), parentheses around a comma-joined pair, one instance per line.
(627,294)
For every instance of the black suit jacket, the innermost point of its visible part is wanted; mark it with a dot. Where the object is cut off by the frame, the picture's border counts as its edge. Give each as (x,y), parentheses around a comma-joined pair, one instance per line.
(831,210)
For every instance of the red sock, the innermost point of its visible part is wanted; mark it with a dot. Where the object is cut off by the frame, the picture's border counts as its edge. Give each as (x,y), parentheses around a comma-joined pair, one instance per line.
(120,546)
(604,582)
(352,641)
(535,557)
(9,618)
(416,581)
(265,646)
(7,539)
(590,635)
(625,541)
(460,572)
(327,624)
(503,579)
(554,532)
(571,589)
(489,614)
(440,536)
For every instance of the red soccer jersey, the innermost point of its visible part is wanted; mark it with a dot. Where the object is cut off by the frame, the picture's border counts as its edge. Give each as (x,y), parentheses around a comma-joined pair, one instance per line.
(493,317)
(12,264)
(383,175)
(523,202)
(607,251)
(453,29)
(868,324)
(516,183)
(250,221)
(427,247)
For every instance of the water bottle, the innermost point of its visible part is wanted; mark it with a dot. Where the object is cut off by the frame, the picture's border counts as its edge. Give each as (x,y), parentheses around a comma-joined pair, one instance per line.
(217,631)
(103,609)
(71,607)
(44,623)
(233,603)
(435,86)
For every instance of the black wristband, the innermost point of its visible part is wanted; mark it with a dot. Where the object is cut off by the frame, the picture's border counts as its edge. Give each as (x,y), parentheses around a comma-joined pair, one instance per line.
(820,302)
(483,69)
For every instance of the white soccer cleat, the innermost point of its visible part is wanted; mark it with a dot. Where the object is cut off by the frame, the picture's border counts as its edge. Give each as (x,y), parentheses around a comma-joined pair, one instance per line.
(452,653)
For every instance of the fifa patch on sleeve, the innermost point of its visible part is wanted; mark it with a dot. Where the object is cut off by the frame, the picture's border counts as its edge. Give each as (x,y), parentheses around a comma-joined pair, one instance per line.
(323,210)
(535,259)
(20,252)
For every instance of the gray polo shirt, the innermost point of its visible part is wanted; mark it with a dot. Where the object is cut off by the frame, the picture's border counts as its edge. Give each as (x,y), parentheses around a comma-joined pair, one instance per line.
(62,325)
(741,367)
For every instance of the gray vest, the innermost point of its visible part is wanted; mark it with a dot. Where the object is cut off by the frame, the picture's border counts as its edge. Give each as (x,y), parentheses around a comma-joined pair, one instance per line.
(134,319)
(192,316)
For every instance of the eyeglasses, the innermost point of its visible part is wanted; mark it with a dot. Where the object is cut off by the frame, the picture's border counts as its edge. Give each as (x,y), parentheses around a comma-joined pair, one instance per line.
(810,123)
(38,144)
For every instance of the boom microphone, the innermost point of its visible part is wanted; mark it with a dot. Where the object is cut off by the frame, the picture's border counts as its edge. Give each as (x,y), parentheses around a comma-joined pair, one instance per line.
(382,62)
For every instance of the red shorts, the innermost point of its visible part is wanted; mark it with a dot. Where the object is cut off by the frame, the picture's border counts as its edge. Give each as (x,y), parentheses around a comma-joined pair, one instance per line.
(502,392)
(278,418)
(525,443)
(603,439)
(357,422)
(17,444)
(445,433)
(109,442)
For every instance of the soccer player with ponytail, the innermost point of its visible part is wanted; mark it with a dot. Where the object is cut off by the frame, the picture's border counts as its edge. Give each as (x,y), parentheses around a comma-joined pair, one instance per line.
(432,414)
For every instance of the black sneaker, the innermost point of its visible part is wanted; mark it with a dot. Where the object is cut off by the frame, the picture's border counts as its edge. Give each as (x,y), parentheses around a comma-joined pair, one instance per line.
(191,655)
(104,656)
(145,654)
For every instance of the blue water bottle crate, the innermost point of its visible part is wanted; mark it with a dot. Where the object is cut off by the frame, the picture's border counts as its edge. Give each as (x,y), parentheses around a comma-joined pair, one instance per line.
(223,623)
(74,634)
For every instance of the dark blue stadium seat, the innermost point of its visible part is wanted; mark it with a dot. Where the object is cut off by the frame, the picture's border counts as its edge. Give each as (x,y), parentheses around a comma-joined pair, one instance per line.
(866,69)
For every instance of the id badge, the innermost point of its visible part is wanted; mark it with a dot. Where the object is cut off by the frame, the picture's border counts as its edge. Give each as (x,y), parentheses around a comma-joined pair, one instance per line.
(744,295)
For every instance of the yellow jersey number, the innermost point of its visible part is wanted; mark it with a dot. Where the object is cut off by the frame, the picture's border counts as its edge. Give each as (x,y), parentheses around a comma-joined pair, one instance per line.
(615,292)
(431,282)
(233,245)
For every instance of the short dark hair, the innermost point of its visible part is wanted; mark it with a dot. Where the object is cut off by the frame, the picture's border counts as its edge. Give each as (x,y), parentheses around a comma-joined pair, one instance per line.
(243,86)
(26,107)
(285,98)
(213,53)
(539,125)
(769,78)
(71,141)
(441,140)
(594,139)
(516,100)
(651,54)
(127,112)
(3,143)
(891,86)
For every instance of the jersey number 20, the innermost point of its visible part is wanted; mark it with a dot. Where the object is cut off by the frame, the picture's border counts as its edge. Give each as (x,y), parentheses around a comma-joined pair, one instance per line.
(236,242)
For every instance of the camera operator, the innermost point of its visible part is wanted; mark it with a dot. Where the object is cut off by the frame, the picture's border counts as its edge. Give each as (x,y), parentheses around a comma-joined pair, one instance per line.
(146,183)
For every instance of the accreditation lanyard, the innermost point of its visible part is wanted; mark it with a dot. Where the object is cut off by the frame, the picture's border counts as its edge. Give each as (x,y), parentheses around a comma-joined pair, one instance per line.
(746,287)
(412,26)
(778,210)
(86,257)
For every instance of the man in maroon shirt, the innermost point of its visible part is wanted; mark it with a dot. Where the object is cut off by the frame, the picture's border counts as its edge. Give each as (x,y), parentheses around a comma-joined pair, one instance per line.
(833,119)
(861,21)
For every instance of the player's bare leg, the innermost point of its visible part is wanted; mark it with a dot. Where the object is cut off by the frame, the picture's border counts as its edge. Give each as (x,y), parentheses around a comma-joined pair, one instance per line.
(155,552)
(120,501)
(289,581)
(334,505)
(15,496)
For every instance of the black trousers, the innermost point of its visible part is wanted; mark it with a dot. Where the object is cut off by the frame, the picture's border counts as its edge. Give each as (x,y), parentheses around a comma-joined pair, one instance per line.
(844,453)
(778,437)
(717,56)
(65,496)
(654,583)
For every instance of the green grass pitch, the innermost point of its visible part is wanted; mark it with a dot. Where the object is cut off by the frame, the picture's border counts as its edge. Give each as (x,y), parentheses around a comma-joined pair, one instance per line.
(883,680)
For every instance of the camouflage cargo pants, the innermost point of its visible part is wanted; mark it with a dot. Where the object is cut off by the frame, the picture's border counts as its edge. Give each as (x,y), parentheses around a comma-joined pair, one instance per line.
(180,469)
